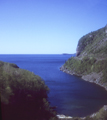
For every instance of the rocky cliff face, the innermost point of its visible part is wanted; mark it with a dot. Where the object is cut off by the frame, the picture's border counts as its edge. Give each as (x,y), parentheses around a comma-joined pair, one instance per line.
(94,43)
(106,29)
(91,58)
(91,63)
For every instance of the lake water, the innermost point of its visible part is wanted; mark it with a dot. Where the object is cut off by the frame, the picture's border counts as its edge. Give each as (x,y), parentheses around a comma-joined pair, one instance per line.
(70,94)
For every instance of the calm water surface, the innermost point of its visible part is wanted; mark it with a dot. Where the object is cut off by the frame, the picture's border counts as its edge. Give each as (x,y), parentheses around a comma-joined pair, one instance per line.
(70,94)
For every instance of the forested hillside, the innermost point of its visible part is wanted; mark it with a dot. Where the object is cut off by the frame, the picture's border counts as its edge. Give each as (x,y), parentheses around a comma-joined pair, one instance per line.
(91,63)
(91,58)
(23,95)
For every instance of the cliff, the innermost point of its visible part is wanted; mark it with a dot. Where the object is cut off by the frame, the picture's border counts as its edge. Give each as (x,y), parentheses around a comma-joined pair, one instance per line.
(23,95)
(91,58)
(91,64)
(94,43)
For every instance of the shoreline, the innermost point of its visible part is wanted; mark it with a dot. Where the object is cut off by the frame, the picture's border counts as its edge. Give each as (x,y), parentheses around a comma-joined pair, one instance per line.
(92,77)
(64,117)
(95,78)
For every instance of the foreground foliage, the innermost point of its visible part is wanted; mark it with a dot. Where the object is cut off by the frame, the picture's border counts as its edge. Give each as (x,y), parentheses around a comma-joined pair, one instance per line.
(23,95)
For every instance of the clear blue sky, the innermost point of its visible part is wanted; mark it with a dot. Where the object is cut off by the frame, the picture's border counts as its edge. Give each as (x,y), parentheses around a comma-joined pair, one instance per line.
(48,26)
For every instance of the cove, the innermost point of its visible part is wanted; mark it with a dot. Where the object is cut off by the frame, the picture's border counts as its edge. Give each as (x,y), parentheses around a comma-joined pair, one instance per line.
(70,94)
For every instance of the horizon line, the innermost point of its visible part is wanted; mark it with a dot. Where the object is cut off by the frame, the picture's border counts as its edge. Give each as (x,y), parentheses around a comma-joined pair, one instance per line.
(35,53)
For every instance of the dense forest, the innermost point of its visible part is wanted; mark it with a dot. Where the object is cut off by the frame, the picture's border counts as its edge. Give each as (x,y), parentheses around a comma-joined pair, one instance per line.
(23,95)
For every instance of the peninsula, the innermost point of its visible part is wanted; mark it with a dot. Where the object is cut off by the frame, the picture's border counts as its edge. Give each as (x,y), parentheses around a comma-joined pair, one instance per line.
(90,63)
(91,58)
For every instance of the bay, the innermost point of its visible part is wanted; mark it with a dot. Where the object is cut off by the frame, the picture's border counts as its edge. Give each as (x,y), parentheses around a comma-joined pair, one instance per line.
(70,94)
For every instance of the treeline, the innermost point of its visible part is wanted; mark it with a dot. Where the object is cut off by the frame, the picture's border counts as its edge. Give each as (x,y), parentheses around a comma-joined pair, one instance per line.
(23,95)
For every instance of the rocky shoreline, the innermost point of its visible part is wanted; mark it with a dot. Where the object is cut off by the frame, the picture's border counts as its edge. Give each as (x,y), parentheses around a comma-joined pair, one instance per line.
(63,117)
(94,78)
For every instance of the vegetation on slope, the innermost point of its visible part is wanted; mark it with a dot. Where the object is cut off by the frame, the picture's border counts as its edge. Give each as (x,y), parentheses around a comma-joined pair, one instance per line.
(94,43)
(23,95)
(91,57)
(87,65)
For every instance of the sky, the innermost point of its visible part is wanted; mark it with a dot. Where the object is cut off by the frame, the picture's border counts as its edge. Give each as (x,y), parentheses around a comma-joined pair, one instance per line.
(48,26)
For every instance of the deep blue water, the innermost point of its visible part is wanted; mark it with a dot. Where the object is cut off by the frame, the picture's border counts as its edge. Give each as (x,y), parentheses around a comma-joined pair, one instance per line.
(70,94)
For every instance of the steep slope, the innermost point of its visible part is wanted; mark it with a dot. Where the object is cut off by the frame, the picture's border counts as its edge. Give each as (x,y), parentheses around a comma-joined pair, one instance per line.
(94,43)
(91,64)
(91,58)
(23,95)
